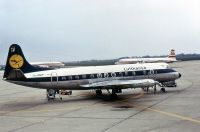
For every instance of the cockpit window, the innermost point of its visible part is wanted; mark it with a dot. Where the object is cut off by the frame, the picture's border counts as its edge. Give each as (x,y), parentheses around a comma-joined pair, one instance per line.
(165,71)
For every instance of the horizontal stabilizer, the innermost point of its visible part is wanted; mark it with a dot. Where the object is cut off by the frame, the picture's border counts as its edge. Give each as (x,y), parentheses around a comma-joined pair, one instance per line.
(16,75)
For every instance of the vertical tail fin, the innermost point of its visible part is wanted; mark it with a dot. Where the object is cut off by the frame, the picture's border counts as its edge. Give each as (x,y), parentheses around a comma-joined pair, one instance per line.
(172,54)
(16,61)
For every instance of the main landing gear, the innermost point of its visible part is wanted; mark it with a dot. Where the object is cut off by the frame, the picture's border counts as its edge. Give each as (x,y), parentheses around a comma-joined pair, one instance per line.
(51,93)
(146,89)
(155,89)
(113,93)
(98,92)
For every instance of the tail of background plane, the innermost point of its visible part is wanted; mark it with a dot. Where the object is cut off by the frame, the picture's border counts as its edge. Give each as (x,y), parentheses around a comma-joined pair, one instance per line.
(17,64)
(172,54)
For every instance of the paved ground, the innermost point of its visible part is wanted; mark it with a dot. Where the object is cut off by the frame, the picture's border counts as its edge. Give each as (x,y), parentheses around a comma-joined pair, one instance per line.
(24,109)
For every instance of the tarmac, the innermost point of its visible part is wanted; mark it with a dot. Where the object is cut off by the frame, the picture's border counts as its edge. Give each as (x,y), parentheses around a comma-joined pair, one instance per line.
(24,109)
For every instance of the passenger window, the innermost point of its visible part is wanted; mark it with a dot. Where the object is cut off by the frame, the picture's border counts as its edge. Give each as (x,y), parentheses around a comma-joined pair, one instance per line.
(133,73)
(99,75)
(113,74)
(69,77)
(120,74)
(84,76)
(151,72)
(92,76)
(105,75)
(138,73)
(126,74)
(77,77)
(64,78)
(144,72)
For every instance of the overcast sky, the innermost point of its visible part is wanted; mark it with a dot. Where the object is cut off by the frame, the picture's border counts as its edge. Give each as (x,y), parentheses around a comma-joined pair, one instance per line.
(69,30)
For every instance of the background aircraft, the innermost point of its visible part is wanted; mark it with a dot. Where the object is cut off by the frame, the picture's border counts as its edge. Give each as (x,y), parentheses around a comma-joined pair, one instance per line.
(114,77)
(48,64)
(171,58)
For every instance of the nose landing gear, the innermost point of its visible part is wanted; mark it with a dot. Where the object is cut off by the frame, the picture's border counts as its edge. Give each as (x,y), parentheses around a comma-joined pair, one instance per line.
(162,89)
(98,92)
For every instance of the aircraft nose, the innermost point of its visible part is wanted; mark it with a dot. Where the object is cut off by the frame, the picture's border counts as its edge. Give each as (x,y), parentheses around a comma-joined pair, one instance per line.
(179,75)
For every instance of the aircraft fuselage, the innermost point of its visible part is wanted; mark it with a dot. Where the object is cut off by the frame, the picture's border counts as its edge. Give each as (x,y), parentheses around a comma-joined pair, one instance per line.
(74,78)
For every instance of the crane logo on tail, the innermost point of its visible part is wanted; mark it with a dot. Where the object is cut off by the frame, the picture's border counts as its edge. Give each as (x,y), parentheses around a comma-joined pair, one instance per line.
(16,61)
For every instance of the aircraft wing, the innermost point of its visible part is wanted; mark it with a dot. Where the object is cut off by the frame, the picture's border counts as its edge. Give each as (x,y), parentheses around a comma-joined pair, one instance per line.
(124,83)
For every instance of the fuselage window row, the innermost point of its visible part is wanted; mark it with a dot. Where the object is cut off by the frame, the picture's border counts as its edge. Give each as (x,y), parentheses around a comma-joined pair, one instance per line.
(147,73)
(115,74)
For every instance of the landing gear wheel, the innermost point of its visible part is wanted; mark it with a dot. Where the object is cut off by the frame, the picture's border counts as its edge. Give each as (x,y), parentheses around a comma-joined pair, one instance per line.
(163,90)
(70,92)
(155,89)
(98,92)
(146,89)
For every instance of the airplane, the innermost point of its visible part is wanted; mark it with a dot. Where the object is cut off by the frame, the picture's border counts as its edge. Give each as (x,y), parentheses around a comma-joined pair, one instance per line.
(53,64)
(112,77)
(170,59)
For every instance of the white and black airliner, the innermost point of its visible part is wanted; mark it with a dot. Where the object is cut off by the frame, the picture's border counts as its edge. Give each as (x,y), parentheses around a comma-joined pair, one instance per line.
(111,77)
(170,59)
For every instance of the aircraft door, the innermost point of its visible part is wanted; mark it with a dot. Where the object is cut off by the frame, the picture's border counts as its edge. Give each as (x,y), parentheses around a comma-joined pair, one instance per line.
(151,74)
(54,80)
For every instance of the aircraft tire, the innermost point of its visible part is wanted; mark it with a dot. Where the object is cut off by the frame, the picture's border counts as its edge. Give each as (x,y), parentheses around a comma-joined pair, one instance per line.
(163,90)
(98,92)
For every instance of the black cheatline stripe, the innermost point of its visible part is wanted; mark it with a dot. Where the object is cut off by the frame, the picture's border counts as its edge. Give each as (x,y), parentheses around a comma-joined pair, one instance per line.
(103,75)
